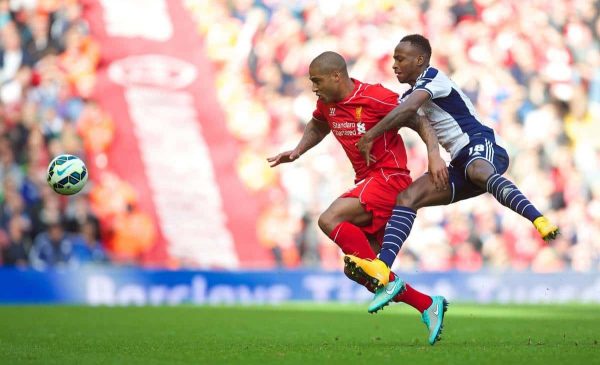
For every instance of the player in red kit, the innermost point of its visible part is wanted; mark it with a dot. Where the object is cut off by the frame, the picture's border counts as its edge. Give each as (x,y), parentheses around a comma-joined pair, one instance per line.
(348,108)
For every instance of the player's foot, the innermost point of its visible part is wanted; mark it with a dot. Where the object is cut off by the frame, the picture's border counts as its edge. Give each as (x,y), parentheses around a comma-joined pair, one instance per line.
(385,294)
(376,270)
(433,317)
(354,273)
(547,229)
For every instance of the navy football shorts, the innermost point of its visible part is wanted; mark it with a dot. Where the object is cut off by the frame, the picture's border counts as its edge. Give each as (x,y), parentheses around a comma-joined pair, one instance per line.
(480,147)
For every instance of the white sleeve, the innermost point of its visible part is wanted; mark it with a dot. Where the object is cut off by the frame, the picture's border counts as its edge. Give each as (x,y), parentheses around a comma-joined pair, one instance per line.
(437,87)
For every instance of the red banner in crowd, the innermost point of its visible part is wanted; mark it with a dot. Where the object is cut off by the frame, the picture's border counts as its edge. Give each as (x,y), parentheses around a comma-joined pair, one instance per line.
(171,142)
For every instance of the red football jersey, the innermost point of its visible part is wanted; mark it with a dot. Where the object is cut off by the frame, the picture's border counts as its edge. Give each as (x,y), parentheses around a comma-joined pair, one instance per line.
(350,118)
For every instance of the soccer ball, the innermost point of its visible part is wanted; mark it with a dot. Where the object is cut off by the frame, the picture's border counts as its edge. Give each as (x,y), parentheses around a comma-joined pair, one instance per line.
(67,174)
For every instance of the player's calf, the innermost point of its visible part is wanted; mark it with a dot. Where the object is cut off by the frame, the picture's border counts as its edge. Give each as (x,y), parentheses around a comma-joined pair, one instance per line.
(511,197)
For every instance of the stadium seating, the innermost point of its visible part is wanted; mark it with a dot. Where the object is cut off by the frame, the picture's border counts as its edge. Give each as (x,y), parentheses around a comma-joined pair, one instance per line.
(536,82)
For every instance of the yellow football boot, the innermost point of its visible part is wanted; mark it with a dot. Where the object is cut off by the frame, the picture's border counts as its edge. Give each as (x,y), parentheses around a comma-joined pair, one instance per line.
(547,229)
(375,270)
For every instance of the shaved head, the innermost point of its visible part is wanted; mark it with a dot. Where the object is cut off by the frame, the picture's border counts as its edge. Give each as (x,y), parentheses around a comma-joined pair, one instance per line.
(329,76)
(329,62)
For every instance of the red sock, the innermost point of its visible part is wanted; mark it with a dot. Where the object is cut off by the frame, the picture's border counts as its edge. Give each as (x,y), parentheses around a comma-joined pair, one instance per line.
(410,296)
(352,240)
(414,298)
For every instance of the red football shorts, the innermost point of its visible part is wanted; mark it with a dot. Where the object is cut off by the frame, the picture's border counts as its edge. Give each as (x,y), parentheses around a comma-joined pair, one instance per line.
(377,193)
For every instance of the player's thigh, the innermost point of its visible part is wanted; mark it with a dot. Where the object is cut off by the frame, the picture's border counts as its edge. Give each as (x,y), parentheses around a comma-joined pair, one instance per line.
(422,193)
(345,209)
(479,171)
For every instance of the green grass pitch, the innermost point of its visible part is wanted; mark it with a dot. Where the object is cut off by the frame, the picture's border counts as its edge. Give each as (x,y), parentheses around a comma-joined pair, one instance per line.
(298,334)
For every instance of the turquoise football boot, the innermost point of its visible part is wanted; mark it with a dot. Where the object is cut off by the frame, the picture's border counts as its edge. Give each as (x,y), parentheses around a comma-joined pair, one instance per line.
(433,317)
(385,294)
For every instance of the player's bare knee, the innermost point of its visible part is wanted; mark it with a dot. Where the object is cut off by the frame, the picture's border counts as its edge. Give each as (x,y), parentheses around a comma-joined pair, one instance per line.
(327,222)
(479,173)
(406,199)
(479,180)
(322,222)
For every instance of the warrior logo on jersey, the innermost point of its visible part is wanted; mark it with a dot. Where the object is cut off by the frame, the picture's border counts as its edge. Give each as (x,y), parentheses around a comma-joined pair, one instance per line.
(331,112)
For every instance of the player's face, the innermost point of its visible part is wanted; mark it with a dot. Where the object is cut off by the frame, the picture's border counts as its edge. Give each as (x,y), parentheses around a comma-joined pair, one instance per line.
(407,62)
(325,86)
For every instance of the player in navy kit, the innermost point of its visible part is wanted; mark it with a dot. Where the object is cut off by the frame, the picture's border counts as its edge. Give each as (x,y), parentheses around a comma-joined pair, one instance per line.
(476,166)
(348,108)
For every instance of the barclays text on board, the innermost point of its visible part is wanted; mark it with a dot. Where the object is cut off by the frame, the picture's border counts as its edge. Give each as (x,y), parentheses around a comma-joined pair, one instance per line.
(111,286)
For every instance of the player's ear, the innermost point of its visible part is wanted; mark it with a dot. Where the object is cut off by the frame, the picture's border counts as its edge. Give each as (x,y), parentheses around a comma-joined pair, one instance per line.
(420,60)
(336,76)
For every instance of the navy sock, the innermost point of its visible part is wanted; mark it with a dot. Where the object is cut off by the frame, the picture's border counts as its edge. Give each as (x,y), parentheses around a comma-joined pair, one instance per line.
(510,196)
(396,232)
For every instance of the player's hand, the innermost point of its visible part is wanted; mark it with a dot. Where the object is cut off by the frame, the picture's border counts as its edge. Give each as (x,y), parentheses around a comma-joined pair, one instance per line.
(364,146)
(438,173)
(283,157)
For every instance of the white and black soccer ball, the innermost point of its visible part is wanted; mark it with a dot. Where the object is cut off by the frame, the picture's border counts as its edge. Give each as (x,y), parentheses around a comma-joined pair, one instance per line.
(67,174)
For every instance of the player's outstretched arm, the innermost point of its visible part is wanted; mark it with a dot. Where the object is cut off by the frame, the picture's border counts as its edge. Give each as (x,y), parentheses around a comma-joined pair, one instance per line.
(438,171)
(400,116)
(314,133)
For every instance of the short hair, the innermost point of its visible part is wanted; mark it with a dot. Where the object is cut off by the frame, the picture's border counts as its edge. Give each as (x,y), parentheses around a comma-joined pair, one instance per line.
(329,62)
(420,42)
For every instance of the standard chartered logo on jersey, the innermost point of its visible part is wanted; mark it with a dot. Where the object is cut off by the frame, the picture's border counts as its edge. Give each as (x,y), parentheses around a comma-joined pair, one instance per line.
(184,188)
(348,128)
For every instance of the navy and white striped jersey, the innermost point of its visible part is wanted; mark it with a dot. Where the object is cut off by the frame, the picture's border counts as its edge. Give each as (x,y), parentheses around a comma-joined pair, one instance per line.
(452,115)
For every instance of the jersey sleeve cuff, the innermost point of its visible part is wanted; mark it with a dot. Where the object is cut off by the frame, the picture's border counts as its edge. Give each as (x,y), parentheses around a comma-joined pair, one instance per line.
(424,89)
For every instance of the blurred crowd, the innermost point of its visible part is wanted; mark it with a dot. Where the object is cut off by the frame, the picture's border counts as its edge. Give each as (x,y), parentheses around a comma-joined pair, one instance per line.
(48,65)
(532,68)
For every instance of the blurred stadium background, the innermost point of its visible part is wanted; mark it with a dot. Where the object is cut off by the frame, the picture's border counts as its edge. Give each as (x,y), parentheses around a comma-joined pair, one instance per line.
(176,109)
